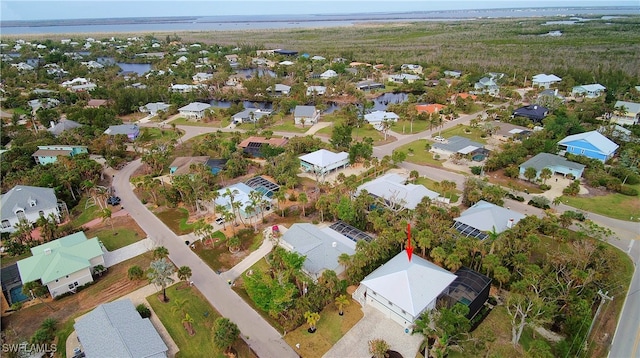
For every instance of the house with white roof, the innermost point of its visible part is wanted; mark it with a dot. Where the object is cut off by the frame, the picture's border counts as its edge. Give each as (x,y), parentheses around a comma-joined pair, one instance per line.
(403,289)
(590,144)
(401,78)
(458,145)
(154,108)
(62,126)
(322,162)
(194,110)
(377,118)
(182,88)
(63,264)
(201,77)
(115,329)
(395,192)
(416,69)
(318,58)
(328,74)
(27,203)
(132,131)
(320,245)
(238,193)
(249,115)
(316,90)
(306,115)
(588,91)
(279,89)
(553,162)
(626,113)
(484,217)
(544,80)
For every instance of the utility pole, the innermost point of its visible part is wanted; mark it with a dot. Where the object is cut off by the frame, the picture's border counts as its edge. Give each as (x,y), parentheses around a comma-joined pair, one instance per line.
(603,297)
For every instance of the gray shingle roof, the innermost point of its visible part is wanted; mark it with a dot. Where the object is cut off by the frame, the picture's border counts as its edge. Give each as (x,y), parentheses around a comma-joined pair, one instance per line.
(456,143)
(546,160)
(116,329)
(304,111)
(20,197)
(485,216)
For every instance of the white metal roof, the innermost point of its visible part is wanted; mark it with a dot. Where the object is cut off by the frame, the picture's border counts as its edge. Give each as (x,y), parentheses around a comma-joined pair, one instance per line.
(324,158)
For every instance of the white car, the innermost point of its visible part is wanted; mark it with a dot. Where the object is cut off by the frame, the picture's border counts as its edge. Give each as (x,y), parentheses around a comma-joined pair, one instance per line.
(219,221)
(439,138)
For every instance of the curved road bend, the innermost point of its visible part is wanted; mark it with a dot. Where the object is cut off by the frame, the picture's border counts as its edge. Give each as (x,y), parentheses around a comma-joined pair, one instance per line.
(260,336)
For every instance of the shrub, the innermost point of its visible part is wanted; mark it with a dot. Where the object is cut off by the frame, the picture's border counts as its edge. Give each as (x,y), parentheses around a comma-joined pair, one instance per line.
(544,187)
(627,190)
(539,202)
(143,310)
(135,273)
(476,170)
(512,171)
(575,215)
(515,197)
(573,189)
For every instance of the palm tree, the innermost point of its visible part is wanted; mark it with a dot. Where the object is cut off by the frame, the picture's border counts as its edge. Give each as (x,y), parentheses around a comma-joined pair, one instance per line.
(160,275)
(184,273)
(281,198)
(341,301)
(234,244)
(105,214)
(303,200)
(187,322)
(160,252)
(545,174)
(225,333)
(312,319)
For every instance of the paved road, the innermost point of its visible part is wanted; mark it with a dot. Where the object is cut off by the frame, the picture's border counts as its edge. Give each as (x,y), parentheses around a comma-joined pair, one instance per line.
(260,336)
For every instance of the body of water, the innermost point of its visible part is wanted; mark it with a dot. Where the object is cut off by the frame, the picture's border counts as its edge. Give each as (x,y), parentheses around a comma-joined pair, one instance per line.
(257,22)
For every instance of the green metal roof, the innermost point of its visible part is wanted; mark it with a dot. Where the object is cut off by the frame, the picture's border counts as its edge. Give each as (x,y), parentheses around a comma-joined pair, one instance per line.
(67,255)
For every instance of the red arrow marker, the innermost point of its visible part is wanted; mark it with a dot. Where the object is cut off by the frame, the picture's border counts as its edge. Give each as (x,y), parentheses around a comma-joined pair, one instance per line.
(409,247)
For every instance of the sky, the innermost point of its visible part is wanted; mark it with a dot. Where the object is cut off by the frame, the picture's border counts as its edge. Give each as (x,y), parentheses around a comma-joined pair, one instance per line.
(83,9)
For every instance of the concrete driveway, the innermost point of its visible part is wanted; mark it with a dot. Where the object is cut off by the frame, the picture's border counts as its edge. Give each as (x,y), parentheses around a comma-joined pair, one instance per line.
(374,324)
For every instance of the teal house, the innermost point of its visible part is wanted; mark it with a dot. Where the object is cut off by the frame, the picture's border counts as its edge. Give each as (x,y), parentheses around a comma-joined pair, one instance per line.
(47,154)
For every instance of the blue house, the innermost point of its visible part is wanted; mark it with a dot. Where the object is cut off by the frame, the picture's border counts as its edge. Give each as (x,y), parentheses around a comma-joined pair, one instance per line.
(47,154)
(590,144)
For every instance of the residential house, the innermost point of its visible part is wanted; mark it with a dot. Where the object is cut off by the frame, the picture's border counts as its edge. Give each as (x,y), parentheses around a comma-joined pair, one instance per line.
(96,103)
(201,77)
(322,162)
(181,60)
(182,88)
(318,58)
(626,113)
(79,84)
(239,193)
(253,145)
(487,85)
(279,90)
(115,329)
(321,247)
(416,69)
(463,96)
(588,91)
(286,63)
(93,65)
(544,80)
(617,132)
(249,115)
(396,193)
(45,103)
(62,126)
(430,108)
(316,90)
(533,112)
(369,85)
(194,110)
(132,131)
(48,154)
(22,66)
(483,218)
(403,289)
(232,59)
(285,52)
(453,73)
(306,115)
(154,108)
(328,74)
(378,118)
(27,203)
(63,264)
(458,145)
(402,78)
(590,144)
(182,165)
(553,162)
(506,131)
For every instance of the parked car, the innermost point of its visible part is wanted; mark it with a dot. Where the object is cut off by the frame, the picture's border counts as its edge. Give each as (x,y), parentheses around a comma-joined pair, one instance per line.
(219,221)
(439,138)
(113,200)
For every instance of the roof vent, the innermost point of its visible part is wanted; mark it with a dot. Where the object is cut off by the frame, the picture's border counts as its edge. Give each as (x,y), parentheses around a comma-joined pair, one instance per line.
(334,244)
(510,223)
(47,251)
(535,107)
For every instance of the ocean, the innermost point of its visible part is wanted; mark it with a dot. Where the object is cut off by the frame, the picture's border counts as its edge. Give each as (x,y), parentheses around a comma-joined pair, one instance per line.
(259,22)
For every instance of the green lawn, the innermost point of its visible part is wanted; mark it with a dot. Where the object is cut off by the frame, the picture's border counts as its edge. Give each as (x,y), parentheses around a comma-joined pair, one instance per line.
(81,215)
(358,133)
(613,205)
(331,327)
(204,316)
(430,184)
(289,126)
(8,260)
(418,126)
(216,124)
(176,220)
(420,155)
(114,239)
(152,134)
(474,134)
